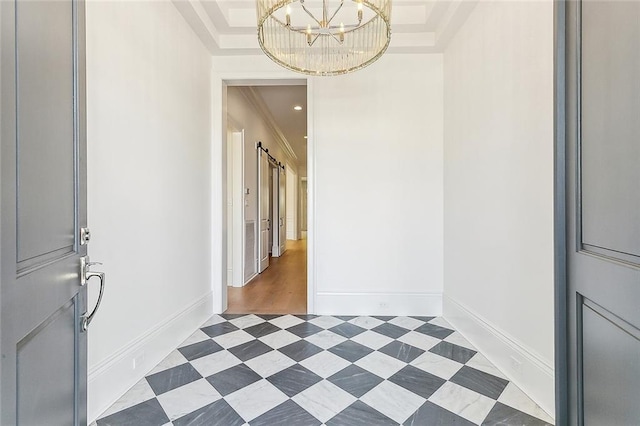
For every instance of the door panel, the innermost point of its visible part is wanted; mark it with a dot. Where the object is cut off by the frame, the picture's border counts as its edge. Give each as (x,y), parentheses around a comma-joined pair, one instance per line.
(45,153)
(282,211)
(603,211)
(263,210)
(43,175)
(610,128)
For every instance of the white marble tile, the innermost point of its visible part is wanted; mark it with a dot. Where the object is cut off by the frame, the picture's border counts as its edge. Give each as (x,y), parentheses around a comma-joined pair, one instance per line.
(463,402)
(326,339)
(235,338)
(515,398)
(174,359)
(366,322)
(246,321)
(380,364)
(480,362)
(441,322)
(140,392)
(457,339)
(214,363)
(406,322)
(286,321)
(324,400)
(325,364)
(372,340)
(188,398)
(279,339)
(270,363)
(393,401)
(197,336)
(437,365)
(216,319)
(419,340)
(255,399)
(326,321)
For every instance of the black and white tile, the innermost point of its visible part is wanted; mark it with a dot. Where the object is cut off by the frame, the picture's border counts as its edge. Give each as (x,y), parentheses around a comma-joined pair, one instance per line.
(324,370)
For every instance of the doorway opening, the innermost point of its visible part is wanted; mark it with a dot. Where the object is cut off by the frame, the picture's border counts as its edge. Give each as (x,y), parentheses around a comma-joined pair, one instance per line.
(266,170)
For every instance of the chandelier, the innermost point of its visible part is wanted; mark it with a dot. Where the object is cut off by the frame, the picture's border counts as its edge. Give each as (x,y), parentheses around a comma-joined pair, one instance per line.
(324,37)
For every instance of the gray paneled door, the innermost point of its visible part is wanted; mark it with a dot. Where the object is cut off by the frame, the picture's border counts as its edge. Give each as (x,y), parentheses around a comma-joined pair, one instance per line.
(43,301)
(603,212)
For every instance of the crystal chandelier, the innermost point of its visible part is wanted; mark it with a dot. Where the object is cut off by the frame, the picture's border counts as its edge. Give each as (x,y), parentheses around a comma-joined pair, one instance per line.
(324,37)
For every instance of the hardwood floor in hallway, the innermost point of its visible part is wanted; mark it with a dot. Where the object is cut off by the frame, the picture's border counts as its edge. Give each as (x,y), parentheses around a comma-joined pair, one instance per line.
(280,289)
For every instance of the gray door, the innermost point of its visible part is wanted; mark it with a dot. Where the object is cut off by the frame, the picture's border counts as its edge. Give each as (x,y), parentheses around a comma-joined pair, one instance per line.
(603,212)
(43,173)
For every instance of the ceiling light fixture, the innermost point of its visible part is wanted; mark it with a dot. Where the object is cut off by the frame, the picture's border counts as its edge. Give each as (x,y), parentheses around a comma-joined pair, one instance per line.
(324,37)
(297,108)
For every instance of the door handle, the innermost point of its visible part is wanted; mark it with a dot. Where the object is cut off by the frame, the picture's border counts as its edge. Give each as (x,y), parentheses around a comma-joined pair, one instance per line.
(86,275)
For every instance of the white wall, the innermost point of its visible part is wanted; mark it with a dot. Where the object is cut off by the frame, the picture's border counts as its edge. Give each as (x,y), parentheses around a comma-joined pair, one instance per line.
(149,182)
(378,188)
(375,183)
(499,189)
(292,204)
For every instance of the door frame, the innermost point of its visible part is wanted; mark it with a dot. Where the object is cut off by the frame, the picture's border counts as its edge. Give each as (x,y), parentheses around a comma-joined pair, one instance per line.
(220,82)
(561,311)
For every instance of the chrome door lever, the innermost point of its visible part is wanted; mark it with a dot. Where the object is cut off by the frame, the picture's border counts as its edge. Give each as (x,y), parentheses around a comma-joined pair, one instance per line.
(86,275)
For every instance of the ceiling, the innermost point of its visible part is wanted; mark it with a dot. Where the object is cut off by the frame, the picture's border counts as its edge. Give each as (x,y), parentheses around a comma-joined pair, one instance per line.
(280,101)
(228,27)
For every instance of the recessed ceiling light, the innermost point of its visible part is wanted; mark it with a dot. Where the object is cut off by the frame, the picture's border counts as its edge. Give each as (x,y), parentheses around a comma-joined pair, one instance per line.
(297,108)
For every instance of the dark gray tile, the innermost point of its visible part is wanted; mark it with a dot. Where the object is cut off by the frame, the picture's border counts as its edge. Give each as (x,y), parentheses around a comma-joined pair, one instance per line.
(286,414)
(347,330)
(479,381)
(148,413)
(402,351)
(454,352)
(360,414)
(250,350)
(425,319)
(219,329)
(232,379)
(217,414)
(232,316)
(346,317)
(172,378)
(268,317)
(300,350)
(306,317)
(434,415)
(304,329)
(200,349)
(293,380)
(434,330)
(355,380)
(383,317)
(262,329)
(417,381)
(351,351)
(503,415)
(390,330)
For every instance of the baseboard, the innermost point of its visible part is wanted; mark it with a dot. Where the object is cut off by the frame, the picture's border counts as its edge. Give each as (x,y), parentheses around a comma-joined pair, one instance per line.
(424,304)
(521,365)
(110,379)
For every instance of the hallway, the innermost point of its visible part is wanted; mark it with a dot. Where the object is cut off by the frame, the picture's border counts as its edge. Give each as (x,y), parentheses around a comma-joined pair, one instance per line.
(311,370)
(280,289)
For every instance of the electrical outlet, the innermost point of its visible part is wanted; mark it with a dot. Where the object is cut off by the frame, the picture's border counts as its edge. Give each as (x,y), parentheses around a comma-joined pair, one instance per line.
(516,365)
(384,305)
(138,360)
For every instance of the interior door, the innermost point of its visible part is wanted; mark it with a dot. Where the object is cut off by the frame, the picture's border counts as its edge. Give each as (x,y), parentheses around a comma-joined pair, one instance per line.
(43,153)
(263,210)
(275,205)
(603,212)
(282,210)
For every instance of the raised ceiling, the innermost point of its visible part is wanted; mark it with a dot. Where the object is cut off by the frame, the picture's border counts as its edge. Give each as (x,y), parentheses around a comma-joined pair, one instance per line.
(228,27)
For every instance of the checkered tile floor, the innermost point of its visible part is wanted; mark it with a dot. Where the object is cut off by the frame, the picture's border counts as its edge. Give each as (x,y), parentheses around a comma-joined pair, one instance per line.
(313,370)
